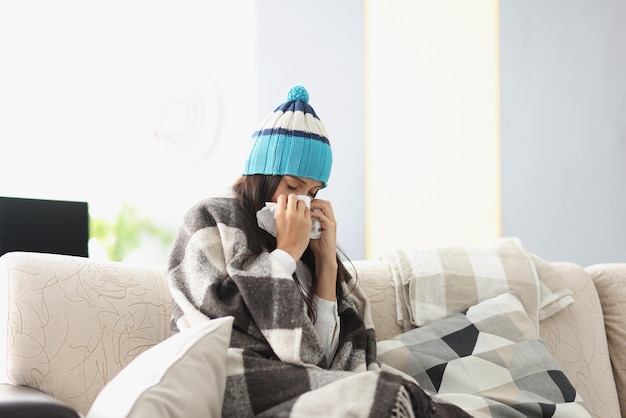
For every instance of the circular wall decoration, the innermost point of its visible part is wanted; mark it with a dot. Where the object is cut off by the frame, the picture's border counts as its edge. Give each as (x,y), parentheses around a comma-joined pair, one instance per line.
(187,123)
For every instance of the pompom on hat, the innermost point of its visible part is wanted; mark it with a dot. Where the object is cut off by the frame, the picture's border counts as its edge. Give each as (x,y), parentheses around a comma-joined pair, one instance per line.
(292,141)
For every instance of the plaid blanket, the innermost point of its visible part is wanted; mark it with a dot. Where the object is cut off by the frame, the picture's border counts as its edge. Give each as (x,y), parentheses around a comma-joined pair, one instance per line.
(433,283)
(276,365)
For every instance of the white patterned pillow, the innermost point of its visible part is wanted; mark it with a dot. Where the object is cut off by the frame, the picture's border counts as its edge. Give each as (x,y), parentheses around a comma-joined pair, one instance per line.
(184,375)
(486,360)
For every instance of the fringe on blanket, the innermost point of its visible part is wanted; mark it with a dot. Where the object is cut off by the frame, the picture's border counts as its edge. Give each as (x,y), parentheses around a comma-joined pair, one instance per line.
(404,405)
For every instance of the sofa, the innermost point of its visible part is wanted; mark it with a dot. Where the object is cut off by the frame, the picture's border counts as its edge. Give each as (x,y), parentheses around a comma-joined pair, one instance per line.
(71,327)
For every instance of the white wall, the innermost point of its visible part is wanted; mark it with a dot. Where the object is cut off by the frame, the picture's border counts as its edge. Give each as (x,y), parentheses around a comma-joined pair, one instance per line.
(432,120)
(153,103)
(563,84)
(320,45)
(145,102)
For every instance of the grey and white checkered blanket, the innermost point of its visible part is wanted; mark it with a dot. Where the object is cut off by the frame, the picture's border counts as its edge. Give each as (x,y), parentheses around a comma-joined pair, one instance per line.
(276,365)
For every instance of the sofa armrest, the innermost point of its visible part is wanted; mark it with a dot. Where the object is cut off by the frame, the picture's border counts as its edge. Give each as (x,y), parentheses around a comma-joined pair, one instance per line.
(24,402)
(69,324)
(610,282)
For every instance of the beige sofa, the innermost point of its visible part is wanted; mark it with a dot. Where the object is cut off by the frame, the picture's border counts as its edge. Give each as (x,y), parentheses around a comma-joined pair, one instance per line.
(68,325)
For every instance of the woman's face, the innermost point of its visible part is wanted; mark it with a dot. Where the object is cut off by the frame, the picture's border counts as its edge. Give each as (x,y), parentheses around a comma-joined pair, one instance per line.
(297,185)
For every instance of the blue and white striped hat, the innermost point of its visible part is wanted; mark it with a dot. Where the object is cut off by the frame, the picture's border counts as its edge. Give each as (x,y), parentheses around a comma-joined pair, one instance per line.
(292,141)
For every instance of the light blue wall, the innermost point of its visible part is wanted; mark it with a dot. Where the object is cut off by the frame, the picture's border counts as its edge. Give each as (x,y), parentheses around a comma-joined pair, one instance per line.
(563,98)
(320,45)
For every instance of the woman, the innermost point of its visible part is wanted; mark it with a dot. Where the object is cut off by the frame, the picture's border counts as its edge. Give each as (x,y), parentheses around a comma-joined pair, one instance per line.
(302,342)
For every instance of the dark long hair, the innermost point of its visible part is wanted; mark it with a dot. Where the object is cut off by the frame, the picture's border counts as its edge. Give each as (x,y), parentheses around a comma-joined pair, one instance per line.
(252,192)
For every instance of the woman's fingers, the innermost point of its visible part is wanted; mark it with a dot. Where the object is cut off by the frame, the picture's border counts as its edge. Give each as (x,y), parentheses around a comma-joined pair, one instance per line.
(285,202)
(323,205)
(322,210)
(293,225)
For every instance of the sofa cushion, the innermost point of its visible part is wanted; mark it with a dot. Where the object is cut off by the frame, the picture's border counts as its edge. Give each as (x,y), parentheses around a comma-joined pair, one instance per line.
(184,375)
(374,277)
(486,360)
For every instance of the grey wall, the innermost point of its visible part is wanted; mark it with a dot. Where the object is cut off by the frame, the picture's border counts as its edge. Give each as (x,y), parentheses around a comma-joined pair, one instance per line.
(320,46)
(563,98)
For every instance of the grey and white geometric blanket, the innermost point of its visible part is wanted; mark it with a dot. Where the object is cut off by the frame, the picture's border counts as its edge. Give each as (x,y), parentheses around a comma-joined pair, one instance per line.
(276,365)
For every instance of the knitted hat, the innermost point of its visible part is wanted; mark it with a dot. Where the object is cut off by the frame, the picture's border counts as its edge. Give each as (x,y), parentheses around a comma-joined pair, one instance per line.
(292,140)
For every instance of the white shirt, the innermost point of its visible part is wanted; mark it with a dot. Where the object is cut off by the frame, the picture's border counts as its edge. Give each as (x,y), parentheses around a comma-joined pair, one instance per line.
(326,319)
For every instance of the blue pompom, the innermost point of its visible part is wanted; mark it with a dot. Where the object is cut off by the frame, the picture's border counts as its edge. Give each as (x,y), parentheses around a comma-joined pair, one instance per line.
(298,93)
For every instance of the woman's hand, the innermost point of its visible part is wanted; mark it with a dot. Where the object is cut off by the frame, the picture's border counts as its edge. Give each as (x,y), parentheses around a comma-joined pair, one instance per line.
(325,250)
(293,225)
